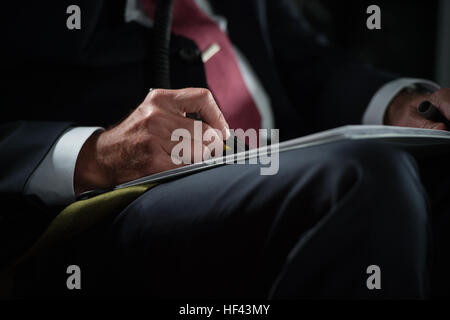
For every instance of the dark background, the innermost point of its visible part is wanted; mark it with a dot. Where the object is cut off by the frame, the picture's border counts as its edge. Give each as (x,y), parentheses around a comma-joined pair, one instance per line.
(408,42)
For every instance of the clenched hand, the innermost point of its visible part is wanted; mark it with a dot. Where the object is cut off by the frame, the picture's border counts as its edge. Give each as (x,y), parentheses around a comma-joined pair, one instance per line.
(141,144)
(403,110)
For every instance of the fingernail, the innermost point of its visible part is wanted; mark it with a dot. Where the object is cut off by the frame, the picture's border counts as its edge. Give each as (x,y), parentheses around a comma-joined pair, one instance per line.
(227,133)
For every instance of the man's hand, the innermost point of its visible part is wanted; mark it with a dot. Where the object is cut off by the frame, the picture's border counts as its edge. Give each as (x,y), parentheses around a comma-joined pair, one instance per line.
(403,110)
(141,144)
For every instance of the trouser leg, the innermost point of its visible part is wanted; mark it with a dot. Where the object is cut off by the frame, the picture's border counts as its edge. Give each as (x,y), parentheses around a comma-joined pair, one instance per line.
(309,231)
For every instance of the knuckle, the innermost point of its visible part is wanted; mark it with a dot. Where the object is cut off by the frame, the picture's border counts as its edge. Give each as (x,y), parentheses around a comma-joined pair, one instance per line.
(154,115)
(157,94)
(205,94)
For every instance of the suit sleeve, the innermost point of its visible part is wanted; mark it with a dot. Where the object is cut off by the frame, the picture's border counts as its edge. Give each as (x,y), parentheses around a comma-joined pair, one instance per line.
(328,87)
(23,145)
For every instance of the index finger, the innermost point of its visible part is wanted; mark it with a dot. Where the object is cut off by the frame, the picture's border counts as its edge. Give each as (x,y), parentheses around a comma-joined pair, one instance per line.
(201,101)
(441,100)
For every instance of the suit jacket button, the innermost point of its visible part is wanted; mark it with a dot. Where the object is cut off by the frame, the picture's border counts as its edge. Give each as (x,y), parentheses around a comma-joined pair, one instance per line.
(190,54)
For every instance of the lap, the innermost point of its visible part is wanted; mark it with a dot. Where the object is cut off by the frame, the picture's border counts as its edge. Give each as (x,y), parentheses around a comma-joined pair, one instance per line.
(237,189)
(213,199)
(221,225)
(229,216)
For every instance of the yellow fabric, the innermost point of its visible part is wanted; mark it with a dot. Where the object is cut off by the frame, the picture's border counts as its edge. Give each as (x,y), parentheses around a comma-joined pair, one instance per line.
(84,214)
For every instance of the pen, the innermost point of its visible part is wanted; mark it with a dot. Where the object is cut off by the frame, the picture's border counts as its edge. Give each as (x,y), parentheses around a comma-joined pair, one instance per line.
(232,140)
(430,112)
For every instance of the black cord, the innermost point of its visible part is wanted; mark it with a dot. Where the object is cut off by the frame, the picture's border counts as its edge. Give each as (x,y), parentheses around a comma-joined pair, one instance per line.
(162,30)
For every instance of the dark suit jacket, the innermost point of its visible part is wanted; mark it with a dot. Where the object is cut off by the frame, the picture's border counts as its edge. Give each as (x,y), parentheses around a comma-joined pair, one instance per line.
(55,78)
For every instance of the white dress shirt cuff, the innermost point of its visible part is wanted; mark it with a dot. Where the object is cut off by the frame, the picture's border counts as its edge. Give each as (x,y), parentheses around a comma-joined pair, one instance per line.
(377,107)
(52,181)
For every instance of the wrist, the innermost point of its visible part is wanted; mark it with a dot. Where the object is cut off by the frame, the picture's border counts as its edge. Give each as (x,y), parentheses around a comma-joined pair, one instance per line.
(89,172)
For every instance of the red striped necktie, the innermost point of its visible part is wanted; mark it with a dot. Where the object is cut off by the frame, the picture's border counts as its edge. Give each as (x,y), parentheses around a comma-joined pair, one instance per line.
(223,75)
